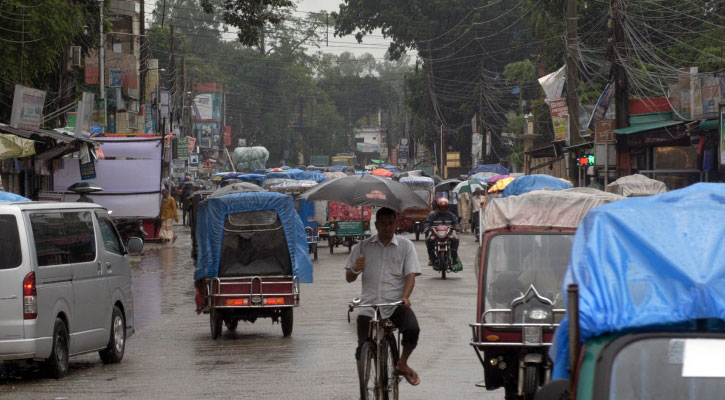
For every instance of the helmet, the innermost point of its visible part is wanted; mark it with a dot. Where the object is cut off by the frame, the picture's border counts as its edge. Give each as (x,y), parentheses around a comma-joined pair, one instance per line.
(442,204)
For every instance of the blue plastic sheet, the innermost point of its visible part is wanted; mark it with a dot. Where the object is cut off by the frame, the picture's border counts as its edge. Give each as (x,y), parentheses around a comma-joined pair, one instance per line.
(257,179)
(298,175)
(527,183)
(647,261)
(7,196)
(497,168)
(210,229)
(337,168)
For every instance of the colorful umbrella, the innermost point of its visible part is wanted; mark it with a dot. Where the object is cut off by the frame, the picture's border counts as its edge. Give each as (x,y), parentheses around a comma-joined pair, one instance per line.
(469,186)
(382,172)
(497,178)
(84,187)
(500,185)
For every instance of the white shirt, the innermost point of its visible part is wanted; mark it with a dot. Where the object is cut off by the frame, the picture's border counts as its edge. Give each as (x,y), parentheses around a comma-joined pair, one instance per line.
(383,279)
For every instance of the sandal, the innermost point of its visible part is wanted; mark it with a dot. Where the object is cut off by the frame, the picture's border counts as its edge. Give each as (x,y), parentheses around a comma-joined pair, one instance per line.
(411,376)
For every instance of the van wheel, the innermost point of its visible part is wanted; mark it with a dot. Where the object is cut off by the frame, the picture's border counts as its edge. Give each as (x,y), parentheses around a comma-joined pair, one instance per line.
(57,364)
(113,353)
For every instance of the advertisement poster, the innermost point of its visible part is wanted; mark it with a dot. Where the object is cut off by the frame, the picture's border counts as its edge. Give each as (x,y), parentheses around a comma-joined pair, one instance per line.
(604,131)
(559,115)
(711,96)
(182,148)
(203,109)
(600,109)
(684,81)
(88,170)
(227,136)
(178,168)
(403,151)
(115,77)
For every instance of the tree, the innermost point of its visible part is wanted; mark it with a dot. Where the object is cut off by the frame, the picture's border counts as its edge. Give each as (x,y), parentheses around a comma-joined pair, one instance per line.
(249,16)
(519,73)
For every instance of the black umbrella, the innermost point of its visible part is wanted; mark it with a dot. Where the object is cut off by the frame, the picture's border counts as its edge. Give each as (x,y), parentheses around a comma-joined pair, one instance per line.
(84,187)
(366,190)
(240,187)
(446,185)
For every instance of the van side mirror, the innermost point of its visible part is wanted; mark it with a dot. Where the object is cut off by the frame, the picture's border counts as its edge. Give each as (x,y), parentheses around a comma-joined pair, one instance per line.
(554,390)
(134,245)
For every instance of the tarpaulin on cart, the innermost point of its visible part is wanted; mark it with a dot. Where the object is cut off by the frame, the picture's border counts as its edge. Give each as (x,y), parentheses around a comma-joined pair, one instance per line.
(647,261)
(527,183)
(298,174)
(210,230)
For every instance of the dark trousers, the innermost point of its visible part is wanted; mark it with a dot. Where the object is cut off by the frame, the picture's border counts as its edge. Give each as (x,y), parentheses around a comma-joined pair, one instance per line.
(430,245)
(403,318)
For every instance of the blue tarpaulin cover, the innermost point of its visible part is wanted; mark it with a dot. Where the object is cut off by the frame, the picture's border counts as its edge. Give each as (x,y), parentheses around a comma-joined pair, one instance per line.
(647,261)
(7,196)
(497,168)
(527,183)
(298,174)
(257,179)
(210,229)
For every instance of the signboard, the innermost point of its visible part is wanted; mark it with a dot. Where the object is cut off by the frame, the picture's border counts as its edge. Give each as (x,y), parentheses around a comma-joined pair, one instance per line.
(115,75)
(394,157)
(384,152)
(605,154)
(182,148)
(604,131)
(194,159)
(178,168)
(242,142)
(88,170)
(685,104)
(559,116)
(368,148)
(50,196)
(403,151)
(203,109)
(600,109)
(27,110)
(711,96)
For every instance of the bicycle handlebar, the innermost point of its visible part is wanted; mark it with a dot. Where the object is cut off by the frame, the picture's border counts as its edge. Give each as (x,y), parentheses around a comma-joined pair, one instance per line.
(374,306)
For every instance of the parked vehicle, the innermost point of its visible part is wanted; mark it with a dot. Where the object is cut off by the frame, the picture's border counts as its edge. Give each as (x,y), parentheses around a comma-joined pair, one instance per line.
(253,254)
(348,225)
(65,283)
(412,220)
(130,227)
(525,249)
(645,301)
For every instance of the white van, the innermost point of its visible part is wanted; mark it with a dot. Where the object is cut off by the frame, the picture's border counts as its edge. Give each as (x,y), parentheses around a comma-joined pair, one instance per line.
(65,284)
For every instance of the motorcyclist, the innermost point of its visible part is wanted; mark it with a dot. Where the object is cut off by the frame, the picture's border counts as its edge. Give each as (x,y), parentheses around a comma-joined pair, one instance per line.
(446,217)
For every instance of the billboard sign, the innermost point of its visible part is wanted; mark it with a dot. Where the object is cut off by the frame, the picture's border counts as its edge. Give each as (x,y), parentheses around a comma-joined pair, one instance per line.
(27,110)
(559,116)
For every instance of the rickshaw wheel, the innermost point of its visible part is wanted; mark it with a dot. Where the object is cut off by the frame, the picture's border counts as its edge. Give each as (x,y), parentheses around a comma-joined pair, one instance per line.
(531,382)
(287,321)
(315,252)
(231,324)
(215,323)
(417,232)
(331,243)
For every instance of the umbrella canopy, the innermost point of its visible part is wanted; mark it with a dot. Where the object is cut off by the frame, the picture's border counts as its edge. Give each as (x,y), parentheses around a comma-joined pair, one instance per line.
(7,196)
(241,187)
(381,172)
(366,190)
(497,178)
(469,186)
(500,185)
(84,187)
(483,175)
(446,185)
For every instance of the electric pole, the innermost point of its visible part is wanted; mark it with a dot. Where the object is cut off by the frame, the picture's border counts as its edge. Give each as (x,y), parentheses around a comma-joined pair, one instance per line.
(572,83)
(621,85)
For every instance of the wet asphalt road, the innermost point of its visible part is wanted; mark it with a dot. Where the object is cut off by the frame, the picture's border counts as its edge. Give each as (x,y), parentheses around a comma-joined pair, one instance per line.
(172,355)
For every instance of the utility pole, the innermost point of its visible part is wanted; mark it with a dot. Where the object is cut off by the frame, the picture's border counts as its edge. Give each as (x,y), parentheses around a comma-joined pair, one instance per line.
(621,85)
(572,82)
(142,31)
(101,64)
(163,13)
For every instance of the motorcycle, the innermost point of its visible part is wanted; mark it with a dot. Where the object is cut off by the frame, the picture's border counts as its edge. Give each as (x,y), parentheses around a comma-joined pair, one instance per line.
(443,262)
(130,227)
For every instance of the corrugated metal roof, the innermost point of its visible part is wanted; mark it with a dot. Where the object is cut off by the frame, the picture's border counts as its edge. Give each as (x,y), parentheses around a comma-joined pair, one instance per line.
(43,135)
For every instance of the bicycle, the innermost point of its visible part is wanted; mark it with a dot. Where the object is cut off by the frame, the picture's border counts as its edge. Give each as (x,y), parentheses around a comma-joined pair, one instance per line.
(379,355)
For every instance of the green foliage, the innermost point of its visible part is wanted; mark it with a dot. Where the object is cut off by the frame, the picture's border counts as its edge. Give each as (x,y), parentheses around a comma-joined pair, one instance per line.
(249,16)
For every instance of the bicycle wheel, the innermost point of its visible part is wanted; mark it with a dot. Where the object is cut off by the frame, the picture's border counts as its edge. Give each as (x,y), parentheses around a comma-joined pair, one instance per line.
(390,381)
(369,380)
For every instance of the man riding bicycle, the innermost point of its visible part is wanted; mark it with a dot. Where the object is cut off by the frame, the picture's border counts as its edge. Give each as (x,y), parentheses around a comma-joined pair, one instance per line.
(389,265)
(445,217)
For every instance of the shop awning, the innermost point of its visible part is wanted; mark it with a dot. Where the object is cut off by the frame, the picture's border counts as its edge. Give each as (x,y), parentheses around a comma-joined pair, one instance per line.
(709,124)
(648,122)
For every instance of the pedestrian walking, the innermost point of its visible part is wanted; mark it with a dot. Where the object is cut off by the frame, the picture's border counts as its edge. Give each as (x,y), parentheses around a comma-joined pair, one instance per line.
(389,265)
(464,211)
(168,215)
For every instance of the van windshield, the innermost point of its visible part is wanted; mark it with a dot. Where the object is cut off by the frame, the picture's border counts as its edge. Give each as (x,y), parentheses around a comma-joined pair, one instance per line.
(10,242)
(516,261)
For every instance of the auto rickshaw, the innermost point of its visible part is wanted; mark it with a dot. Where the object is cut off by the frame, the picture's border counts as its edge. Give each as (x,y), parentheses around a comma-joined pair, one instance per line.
(252,257)
(412,220)
(348,225)
(645,304)
(523,255)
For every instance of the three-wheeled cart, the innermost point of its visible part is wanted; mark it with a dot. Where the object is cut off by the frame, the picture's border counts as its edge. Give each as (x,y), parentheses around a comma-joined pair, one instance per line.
(252,256)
